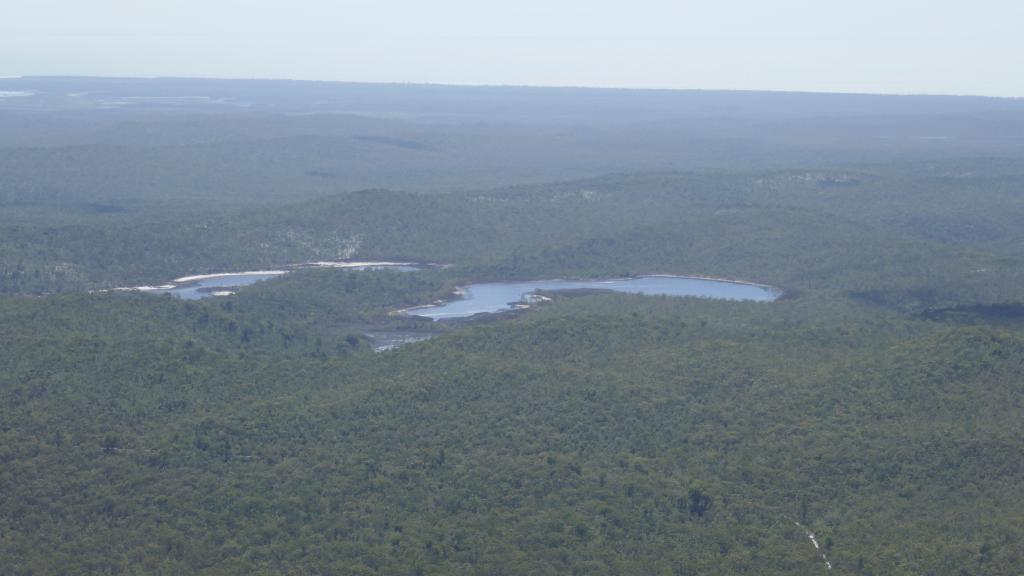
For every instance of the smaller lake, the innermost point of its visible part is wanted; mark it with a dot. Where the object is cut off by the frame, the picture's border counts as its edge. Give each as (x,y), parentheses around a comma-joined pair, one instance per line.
(503,296)
(215,286)
(224,284)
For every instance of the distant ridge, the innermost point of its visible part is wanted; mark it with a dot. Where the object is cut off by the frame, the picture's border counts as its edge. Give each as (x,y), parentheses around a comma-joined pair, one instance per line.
(623,104)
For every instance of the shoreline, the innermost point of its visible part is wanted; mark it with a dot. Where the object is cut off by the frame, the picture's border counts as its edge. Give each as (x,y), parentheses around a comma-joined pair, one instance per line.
(293,267)
(194,278)
(460,292)
(716,279)
(199,277)
(343,264)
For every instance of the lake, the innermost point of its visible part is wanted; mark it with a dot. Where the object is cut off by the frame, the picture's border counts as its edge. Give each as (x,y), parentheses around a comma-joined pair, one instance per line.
(224,284)
(503,296)
(215,285)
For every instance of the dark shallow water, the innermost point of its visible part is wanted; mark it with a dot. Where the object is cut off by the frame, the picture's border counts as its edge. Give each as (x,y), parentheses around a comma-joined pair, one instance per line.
(502,296)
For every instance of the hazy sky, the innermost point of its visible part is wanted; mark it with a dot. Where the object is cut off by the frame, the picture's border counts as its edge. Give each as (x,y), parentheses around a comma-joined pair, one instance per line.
(902,46)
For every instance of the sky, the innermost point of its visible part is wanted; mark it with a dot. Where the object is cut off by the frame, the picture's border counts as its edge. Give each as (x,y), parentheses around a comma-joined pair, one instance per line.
(891,46)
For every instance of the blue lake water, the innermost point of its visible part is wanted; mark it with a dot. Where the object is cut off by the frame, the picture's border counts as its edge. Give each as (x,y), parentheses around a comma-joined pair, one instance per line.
(503,296)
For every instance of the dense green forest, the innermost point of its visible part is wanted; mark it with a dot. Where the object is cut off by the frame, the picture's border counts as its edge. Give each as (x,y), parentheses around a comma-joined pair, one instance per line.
(878,403)
(601,434)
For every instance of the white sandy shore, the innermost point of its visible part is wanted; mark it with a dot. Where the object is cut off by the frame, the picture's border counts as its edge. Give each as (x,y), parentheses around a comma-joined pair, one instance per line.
(322,264)
(292,267)
(199,277)
(329,264)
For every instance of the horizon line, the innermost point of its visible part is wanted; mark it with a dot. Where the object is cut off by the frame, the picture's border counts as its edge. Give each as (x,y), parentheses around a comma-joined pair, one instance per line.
(413,83)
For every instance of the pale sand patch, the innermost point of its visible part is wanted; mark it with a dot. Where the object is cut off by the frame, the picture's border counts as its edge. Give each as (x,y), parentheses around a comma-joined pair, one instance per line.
(329,264)
(198,277)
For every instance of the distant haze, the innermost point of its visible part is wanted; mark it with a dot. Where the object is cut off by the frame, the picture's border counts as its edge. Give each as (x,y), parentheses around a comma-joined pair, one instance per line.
(903,46)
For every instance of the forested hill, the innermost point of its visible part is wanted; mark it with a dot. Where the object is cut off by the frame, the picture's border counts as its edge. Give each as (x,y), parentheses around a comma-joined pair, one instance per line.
(600,435)
(856,233)
(259,141)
